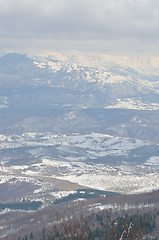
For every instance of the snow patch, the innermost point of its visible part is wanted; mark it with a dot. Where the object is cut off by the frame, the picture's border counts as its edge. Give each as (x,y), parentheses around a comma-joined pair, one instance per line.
(153,160)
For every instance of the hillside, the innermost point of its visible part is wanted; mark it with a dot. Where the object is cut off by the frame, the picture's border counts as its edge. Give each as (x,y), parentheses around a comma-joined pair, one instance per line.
(76,126)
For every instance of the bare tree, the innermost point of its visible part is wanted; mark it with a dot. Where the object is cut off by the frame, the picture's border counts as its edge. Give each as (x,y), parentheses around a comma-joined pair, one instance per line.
(128,233)
(72,228)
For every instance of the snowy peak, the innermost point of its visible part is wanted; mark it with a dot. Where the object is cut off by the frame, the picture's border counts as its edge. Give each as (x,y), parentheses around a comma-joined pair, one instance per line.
(127,82)
(98,80)
(103,69)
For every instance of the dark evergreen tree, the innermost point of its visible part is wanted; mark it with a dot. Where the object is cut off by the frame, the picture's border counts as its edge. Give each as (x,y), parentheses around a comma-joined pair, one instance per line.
(31,235)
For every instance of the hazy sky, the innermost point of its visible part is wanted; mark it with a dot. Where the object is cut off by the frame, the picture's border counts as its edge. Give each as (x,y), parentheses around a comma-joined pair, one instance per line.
(89,25)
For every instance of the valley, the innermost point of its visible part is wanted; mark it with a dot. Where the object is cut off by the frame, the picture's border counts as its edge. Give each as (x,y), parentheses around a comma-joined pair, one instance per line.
(51,166)
(77,131)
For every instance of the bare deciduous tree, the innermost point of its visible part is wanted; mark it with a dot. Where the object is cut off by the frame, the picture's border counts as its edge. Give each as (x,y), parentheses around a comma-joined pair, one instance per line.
(72,228)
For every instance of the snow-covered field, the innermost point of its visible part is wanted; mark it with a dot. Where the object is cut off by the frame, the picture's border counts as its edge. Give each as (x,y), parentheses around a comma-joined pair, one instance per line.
(65,162)
(94,144)
(107,144)
(153,160)
(130,103)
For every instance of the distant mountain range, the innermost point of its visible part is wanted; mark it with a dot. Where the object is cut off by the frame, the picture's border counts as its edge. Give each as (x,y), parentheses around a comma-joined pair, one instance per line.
(77,92)
(75,126)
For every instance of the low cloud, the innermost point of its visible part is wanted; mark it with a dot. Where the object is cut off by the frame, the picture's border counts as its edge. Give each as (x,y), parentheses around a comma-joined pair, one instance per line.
(79,19)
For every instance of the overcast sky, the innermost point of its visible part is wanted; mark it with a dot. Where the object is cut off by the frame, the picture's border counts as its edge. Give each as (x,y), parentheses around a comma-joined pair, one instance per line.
(87,25)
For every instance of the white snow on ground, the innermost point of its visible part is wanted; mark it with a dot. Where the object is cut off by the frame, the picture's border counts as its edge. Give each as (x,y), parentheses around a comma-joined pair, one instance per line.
(6,210)
(70,164)
(94,144)
(115,207)
(123,183)
(102,177)
(137,104)
(153,160)
(62,194)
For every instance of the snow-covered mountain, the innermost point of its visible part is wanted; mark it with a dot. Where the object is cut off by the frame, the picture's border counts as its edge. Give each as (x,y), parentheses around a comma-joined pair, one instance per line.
(121,82)
(118,77)
(76,120)
(77,92)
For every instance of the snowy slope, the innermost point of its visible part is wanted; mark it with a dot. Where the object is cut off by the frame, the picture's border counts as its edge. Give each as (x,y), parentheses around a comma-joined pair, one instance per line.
(126,80)
(51,164)
(73,120)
